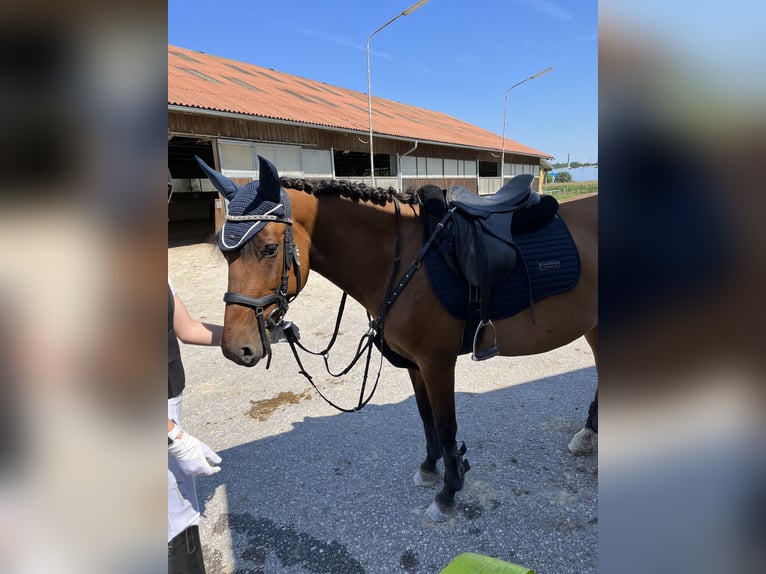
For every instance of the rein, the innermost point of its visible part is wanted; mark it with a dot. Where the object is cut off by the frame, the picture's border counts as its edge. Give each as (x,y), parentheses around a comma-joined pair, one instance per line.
(365,343)
(282,300)
(375,326)
(365,346)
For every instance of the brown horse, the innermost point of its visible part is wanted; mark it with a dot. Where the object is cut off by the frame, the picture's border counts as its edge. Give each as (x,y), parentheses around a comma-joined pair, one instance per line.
(280,229)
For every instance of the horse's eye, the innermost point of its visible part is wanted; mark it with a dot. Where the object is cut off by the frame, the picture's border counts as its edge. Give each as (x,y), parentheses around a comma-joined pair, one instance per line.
(270,250)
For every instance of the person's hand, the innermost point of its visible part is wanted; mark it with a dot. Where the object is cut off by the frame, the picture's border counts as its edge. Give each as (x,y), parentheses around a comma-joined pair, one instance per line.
(278,333)
(194,457)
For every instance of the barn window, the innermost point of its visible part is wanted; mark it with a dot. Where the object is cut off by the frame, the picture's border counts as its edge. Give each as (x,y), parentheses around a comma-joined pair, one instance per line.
(287,159)
(422,162)
(236,156)
(316,163)
(434,167)
(409,166)
(488,169)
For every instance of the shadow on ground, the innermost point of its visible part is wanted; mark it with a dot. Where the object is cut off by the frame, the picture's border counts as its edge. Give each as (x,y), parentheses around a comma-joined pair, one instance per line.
(335,495)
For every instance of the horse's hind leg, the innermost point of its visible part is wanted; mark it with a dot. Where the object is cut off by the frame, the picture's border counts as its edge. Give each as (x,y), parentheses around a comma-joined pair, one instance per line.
(439,379)
(426,475)
(582,442)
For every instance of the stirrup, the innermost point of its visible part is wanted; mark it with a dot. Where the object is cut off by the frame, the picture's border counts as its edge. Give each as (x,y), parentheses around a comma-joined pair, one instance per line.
(487,353)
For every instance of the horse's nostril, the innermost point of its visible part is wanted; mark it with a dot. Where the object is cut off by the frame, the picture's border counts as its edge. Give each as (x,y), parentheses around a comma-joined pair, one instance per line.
(247,353)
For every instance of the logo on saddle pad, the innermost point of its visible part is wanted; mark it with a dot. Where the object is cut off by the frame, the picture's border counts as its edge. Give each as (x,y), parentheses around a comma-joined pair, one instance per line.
(549,265)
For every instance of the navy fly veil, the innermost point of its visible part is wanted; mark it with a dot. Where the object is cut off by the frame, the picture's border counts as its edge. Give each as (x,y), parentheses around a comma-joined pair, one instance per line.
(235,233)
(245,202)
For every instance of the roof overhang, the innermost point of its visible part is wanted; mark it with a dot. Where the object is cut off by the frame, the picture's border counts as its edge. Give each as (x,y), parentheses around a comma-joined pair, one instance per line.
(252,117)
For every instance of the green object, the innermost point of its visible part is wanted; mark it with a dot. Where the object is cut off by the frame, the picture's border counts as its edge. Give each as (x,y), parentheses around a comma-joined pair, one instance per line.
(470,563)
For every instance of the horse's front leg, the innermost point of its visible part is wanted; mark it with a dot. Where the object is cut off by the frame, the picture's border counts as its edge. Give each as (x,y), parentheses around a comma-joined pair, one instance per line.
(439,381)
(427,474)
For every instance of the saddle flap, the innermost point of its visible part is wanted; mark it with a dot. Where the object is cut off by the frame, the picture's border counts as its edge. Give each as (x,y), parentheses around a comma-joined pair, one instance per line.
(484,256)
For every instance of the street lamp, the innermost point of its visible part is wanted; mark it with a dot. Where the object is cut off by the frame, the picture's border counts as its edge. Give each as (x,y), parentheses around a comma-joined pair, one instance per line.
(505,109)
(405,12)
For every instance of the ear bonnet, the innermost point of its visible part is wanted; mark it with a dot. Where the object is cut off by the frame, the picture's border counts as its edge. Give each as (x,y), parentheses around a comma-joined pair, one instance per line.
(256,198)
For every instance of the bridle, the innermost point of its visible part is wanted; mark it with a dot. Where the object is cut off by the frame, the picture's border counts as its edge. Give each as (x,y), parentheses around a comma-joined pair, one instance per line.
(280,297)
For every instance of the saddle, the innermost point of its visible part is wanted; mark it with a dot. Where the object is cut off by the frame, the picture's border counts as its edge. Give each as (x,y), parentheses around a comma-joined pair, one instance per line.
(478,239)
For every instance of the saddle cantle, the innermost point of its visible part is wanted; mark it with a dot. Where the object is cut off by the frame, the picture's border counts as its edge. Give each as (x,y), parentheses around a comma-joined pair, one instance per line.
(479,239)
(516,195)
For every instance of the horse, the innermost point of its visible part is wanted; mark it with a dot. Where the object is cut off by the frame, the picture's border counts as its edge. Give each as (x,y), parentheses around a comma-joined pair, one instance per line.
(279,229)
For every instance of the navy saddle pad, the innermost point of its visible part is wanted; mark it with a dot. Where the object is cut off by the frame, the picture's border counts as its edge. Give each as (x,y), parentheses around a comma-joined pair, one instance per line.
(551,259)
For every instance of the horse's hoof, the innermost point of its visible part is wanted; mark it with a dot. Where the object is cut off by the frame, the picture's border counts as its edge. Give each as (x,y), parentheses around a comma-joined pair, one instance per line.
(425,479)
(437,514)
(582,443)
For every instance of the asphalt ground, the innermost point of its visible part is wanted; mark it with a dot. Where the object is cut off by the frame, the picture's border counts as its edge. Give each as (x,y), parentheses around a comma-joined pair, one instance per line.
(307,489)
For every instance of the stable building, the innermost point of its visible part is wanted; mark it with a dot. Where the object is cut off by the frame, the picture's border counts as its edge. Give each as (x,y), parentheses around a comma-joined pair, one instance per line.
(229,112)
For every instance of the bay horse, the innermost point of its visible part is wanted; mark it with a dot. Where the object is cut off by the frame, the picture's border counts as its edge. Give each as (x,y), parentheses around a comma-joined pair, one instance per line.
(277,230)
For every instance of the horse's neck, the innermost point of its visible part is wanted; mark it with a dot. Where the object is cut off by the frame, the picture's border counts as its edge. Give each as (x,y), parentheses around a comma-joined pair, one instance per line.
(353,246)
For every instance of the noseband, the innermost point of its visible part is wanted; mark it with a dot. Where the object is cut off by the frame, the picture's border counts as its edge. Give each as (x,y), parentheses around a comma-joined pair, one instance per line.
(280,298)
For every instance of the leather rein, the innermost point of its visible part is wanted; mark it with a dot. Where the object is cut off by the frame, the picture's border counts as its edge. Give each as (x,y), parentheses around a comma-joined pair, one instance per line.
(375,330)
(282,299)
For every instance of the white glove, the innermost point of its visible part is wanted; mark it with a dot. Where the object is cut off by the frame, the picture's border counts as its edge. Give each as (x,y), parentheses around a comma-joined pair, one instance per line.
(278,332)
(194,457)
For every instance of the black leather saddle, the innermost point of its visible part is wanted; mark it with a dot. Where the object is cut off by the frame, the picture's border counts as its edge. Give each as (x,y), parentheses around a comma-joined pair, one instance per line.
(516,195)
(480,232)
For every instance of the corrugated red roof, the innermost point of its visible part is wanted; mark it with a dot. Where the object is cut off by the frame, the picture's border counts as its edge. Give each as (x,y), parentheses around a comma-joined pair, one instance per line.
(199,80)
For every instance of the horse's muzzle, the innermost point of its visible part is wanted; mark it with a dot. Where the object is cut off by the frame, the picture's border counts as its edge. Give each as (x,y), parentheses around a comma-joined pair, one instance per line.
(244,355)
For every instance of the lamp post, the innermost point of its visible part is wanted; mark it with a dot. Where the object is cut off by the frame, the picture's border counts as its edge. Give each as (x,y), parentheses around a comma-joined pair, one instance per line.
(405,12)
(505,109)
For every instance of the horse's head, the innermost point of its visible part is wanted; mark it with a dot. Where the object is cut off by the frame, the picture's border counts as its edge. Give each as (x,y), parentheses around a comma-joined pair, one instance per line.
(264,267)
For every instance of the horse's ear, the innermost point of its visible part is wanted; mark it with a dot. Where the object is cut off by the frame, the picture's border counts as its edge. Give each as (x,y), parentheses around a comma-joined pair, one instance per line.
(268,180)
(222,183)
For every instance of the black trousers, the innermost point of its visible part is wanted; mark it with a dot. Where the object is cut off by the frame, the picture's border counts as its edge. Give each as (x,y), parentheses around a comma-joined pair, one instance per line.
(185,553)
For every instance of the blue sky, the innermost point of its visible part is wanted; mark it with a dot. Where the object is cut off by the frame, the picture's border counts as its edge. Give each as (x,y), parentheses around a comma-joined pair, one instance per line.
(452,56)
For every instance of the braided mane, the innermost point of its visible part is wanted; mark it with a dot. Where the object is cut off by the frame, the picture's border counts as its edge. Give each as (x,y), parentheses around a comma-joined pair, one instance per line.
(353,191)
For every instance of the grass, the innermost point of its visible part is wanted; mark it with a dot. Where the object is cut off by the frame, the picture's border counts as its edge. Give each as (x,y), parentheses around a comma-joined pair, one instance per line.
(562,191)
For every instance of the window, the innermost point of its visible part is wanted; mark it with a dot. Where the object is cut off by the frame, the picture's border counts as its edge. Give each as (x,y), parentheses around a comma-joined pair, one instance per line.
(488,169)
(236,156)
(287,159)
(316,163)
(434,167)
(409,166)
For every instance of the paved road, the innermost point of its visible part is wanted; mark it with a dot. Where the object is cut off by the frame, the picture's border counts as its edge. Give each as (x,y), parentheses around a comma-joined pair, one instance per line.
(305,489)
